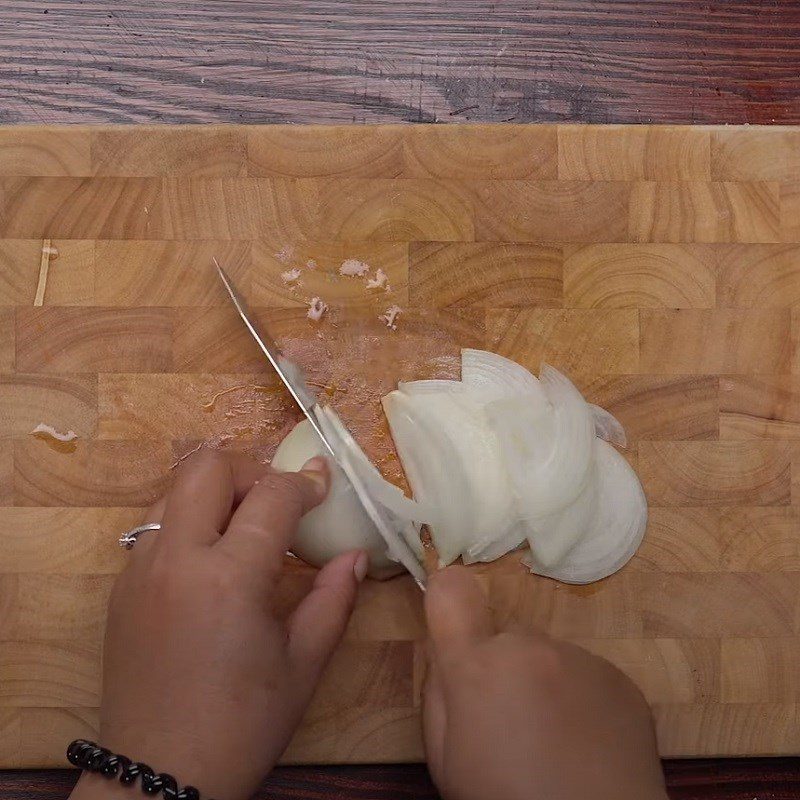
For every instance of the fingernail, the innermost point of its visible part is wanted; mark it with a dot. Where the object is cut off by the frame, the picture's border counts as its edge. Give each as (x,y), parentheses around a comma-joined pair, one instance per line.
(361,566)
(318,471)
(316,464)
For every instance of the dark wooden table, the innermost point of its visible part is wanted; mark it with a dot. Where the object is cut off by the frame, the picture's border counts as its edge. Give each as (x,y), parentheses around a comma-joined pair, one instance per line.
(682,61)
(731,779)
(357,61)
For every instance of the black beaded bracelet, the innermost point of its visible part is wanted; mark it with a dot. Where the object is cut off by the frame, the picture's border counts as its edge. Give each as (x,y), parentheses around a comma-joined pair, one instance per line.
(93,758)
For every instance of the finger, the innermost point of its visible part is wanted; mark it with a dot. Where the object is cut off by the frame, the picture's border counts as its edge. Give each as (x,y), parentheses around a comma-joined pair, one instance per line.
(319,622)
(206,489)
(456,611)
(263,526)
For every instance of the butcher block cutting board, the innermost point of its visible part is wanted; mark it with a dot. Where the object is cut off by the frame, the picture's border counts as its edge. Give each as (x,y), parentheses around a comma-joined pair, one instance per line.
(658,267)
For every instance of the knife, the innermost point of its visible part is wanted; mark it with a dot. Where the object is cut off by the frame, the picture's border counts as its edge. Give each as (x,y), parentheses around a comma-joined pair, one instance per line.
(292,377)
(288,371)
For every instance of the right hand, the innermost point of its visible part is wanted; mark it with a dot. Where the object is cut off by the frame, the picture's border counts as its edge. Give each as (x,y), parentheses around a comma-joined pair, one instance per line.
(521,716)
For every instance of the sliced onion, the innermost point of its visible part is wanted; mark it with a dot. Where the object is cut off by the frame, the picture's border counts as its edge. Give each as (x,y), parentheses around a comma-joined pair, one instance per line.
(412,533)
(386,493)
(573,435)
(496,460)
(501,457)
(432,432)
(554,535)
(547,450)
(495,548)
(617,528)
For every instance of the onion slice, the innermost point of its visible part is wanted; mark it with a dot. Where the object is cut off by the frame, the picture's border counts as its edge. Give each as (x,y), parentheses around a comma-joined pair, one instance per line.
(616,530)
(547,451)
(432,433)
(386,493)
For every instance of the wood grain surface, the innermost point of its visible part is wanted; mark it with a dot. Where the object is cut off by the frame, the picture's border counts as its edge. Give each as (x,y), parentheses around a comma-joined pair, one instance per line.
(673,302)
(673,61)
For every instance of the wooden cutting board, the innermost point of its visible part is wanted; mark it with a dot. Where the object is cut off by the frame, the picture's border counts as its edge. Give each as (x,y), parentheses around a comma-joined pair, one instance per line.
(659,267)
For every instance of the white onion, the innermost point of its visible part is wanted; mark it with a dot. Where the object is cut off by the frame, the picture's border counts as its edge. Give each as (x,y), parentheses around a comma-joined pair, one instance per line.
(496,460)
(340,523)
(501,457)
(459,453)
(616,529)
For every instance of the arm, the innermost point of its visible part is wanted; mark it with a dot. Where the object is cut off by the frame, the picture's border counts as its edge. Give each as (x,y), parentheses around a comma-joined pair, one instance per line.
(200,677)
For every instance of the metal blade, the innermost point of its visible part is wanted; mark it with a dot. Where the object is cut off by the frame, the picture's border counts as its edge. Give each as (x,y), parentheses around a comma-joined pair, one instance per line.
(287,370)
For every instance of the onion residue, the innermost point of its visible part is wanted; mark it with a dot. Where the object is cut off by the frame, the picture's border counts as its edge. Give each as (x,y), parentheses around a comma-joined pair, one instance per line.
(211,404)
(291,275)
(61,442)
(284,255)
(316,309)
(380,281)
(352,268)
(389,316)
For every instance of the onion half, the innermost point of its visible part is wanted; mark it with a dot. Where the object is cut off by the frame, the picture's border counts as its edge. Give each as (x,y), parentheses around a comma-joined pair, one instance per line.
(392,527)
(339,523)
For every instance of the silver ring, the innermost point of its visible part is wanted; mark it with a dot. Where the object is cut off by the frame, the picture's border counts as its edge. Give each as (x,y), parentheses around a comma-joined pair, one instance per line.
(128,540)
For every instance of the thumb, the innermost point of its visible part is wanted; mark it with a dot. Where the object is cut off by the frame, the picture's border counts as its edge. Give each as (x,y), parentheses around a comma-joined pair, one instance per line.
(456,610)
(319,622)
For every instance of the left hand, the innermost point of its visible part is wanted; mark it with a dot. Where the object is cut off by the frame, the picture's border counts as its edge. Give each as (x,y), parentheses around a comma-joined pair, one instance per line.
(200,678)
